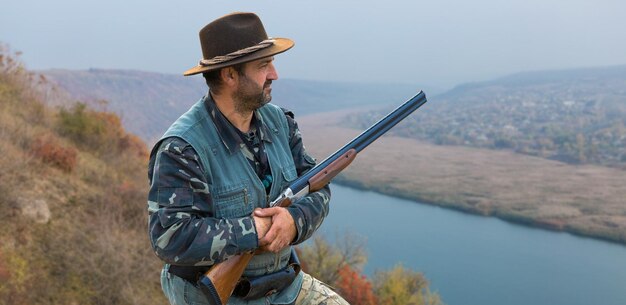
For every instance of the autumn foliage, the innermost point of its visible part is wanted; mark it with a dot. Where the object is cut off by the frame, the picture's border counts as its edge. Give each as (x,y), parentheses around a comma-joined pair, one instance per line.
(340,264)
(98,131)
(401,286)
(355,287)
(49,150)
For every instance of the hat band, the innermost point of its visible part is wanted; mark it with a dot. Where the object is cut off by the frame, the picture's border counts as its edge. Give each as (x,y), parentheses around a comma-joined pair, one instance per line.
(230,56)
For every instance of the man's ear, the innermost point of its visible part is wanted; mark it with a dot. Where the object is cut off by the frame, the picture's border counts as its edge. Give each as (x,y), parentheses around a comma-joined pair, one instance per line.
(229,76)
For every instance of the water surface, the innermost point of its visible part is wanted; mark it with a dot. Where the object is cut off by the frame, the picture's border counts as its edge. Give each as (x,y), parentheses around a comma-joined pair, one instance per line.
(474,260)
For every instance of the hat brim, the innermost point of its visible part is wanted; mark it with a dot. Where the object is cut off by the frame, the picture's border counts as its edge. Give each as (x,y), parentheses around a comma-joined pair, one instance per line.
(280,45)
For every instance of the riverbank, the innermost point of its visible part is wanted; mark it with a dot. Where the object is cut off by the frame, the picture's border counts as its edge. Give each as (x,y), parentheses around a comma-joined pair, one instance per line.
(584,200)
(518,265)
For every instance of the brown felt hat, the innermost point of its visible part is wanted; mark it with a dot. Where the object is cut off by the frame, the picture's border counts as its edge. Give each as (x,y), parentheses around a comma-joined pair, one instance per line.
(233,39)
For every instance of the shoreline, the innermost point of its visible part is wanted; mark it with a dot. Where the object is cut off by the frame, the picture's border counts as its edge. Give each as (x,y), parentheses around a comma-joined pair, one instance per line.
(526,222)
(583,200)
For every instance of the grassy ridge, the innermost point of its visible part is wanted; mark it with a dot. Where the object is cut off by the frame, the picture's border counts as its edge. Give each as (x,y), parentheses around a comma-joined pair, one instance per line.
(73,202)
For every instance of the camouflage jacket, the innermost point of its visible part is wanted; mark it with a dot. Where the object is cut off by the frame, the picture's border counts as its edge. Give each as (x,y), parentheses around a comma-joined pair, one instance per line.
(185,235)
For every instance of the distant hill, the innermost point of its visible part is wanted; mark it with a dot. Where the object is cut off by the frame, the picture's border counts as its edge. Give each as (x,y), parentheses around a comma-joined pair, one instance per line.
(574,116)
(149,102)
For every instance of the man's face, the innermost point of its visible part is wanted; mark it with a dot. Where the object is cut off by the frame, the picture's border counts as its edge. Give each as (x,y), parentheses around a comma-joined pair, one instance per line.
(254,88)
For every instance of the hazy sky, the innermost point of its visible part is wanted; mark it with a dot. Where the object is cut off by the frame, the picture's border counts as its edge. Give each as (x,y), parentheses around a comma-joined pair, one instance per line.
(441,42)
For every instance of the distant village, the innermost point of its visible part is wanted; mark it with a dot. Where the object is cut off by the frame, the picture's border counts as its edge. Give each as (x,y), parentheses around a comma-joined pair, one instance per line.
(573,121)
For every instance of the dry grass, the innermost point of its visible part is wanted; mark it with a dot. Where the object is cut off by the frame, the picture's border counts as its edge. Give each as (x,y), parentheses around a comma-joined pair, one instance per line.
(73,229)
(587,200)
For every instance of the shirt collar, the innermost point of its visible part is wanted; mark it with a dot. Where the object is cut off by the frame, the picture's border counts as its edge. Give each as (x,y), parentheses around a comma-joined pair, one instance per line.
(229,136)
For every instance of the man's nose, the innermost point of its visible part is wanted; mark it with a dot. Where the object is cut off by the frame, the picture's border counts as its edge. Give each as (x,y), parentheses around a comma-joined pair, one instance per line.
(273,74)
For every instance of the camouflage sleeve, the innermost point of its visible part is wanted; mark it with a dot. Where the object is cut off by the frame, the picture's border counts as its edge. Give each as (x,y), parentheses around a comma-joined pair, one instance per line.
(310,211)
(182,228)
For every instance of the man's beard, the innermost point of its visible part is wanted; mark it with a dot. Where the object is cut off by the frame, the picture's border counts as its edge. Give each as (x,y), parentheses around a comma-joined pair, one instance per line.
(250,96)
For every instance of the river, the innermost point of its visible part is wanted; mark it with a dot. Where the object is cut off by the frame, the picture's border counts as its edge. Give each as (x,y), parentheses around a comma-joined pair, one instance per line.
(475,260)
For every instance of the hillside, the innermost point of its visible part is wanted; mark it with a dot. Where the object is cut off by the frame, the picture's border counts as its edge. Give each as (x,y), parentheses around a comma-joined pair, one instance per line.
(73,186)
(148,102)
(572,116)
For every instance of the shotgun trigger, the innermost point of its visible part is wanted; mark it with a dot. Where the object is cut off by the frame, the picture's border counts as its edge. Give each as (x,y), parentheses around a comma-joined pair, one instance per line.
(286,194)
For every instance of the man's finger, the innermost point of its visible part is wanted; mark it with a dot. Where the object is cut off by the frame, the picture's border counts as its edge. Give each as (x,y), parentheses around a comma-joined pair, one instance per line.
(269,237)
(269,212)
(277,245)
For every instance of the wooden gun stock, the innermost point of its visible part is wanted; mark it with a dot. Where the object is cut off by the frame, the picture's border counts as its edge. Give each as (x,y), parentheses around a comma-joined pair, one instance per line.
(220,281)
(322,178)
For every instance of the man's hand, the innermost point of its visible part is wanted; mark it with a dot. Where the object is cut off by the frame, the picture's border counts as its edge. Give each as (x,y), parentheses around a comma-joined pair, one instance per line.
(282,230)
(262,225)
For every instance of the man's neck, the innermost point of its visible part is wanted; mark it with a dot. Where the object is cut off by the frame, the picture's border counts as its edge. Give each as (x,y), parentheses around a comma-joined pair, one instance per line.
(226,105)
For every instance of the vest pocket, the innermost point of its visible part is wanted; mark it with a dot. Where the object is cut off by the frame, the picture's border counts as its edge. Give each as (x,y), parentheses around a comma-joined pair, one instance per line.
(290,173)
(287,174)
(231,201)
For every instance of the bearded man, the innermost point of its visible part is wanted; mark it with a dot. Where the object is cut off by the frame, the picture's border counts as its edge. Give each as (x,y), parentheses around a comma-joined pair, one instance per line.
(215,170)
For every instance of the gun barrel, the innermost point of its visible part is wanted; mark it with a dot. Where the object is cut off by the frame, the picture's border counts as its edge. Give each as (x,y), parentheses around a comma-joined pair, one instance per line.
(365,138)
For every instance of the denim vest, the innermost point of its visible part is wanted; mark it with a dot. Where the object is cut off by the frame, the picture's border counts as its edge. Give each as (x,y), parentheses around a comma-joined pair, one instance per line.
(235,188)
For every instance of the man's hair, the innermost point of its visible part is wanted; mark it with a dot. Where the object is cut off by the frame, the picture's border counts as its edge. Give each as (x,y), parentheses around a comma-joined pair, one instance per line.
(214,80)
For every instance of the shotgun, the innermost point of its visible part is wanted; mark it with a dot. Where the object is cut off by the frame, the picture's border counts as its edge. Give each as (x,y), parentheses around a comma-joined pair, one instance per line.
(219,282)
